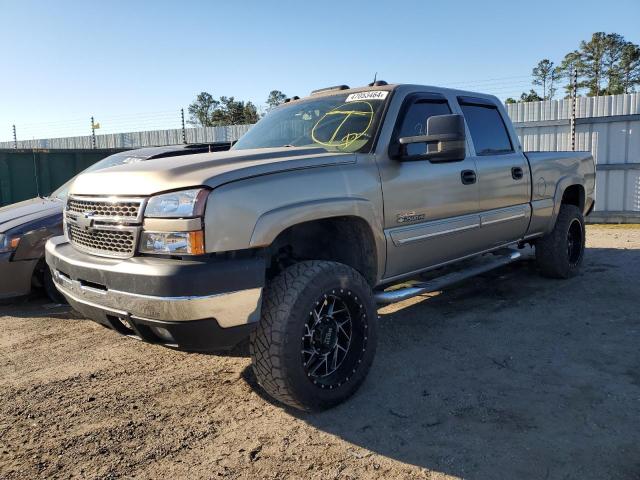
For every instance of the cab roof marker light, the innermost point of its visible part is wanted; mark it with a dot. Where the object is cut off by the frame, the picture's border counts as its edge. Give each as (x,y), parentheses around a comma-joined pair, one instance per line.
(328,89)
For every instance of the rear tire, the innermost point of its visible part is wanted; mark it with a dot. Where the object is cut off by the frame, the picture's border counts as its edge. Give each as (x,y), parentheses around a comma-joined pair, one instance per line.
(559,254)
(317,335)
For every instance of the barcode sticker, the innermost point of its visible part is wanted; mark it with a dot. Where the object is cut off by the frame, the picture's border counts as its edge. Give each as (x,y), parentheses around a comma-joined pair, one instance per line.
(371,95)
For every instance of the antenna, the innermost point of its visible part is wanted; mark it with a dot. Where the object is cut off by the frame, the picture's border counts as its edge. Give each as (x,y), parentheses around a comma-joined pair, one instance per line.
(375,77)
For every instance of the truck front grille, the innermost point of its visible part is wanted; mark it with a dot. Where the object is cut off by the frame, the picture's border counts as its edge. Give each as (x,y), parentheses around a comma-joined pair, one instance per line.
(107,208)
(105,226)
(113,243)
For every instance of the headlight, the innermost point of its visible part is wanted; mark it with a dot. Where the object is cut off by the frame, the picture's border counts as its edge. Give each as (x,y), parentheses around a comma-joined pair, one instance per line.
(180,204)
(172,243)
(8,243)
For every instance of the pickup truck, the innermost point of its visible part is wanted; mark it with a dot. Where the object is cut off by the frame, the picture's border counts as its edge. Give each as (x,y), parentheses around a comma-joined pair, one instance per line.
(328,206)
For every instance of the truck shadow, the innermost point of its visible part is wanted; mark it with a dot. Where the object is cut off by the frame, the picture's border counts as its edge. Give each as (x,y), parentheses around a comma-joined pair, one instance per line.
(508,375)
(36,305)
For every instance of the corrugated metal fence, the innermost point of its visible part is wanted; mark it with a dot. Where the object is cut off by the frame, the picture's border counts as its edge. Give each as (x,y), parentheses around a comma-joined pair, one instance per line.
(609,127)
(138,139)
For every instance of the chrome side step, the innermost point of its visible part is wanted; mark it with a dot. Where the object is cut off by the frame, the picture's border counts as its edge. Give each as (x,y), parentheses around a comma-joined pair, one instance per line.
(438,283)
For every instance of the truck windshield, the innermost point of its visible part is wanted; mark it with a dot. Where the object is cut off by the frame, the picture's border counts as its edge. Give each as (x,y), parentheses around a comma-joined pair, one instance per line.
(343,123)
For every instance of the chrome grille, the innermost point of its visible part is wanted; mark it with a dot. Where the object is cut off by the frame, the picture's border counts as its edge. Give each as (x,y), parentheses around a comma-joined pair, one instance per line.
(106,208)
(107,226)
(113,242)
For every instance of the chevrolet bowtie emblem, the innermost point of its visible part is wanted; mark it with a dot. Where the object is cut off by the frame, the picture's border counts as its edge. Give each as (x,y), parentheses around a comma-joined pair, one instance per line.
(85,220)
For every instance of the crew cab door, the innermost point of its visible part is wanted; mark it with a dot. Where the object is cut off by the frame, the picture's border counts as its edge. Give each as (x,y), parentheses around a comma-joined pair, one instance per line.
(503,173)
(430,208)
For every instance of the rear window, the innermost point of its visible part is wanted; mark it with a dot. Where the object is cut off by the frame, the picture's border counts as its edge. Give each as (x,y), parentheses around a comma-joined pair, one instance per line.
(488,131)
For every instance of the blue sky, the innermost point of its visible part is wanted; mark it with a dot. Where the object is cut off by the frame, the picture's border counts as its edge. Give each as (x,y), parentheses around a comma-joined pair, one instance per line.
(134,64)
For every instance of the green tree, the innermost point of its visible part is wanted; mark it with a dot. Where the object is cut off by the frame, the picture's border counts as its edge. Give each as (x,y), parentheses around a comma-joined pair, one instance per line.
(202,109)
(592,54)
(532,96)
(614,45)
(571,62)
(605,60)
(545,74)
(606,64)
(510,100)
(250,113)
(205,111)
(275,98)
(629,67)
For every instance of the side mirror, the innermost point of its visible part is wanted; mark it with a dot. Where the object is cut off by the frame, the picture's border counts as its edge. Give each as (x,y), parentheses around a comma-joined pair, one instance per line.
(444,141)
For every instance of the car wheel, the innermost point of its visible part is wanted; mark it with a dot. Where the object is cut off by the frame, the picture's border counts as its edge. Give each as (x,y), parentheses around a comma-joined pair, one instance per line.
(559,254)
(316,338)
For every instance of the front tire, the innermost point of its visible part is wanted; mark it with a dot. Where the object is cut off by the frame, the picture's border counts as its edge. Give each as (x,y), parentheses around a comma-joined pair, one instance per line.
(559,254)
(317,335)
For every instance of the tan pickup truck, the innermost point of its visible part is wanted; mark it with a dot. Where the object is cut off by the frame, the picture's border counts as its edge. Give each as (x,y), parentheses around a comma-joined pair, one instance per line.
(328,206)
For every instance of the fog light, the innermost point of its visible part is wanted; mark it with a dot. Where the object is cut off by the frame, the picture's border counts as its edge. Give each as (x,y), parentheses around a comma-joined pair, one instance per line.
(163,333)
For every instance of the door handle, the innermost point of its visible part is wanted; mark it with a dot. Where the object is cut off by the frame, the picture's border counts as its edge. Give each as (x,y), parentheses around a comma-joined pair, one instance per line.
(468,177)
(517,173)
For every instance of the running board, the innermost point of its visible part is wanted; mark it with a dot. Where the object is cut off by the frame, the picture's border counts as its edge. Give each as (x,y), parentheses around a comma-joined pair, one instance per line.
(393,296)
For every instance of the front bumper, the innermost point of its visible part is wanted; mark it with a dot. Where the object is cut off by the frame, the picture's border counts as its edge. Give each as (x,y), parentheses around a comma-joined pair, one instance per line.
(199,305)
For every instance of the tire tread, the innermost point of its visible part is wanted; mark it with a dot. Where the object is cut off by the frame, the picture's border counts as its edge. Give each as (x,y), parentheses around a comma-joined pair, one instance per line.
(267,340)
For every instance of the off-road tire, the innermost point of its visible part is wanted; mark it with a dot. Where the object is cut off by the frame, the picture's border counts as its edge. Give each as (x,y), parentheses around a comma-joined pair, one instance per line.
(276,345)
(555,256)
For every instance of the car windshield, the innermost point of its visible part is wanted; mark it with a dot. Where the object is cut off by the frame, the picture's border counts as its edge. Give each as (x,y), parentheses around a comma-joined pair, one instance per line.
(111,161)
(343,123)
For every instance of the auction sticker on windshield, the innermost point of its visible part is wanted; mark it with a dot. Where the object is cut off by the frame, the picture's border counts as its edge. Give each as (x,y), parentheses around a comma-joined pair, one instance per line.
(372,95)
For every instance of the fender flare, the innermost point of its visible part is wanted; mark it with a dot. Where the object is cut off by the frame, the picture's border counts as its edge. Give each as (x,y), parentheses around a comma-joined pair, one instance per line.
(561,186)
(272,223)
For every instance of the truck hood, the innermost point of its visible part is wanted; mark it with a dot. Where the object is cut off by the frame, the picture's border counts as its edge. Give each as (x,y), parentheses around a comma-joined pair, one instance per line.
(27,211)
(209,169)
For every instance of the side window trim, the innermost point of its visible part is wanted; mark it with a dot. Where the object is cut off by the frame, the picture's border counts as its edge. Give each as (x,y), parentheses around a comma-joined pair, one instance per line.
(485,103)
(412,99)
(409,100)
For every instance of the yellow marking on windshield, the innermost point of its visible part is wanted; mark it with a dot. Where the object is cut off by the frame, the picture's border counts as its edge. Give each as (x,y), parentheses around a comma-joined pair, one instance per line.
(350,137)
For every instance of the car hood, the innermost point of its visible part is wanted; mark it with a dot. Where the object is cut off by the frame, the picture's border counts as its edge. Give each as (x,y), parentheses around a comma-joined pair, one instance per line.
(209,169)
(27,211)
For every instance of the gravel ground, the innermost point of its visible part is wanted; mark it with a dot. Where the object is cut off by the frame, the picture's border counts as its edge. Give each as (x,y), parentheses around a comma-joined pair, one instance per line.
(506,376)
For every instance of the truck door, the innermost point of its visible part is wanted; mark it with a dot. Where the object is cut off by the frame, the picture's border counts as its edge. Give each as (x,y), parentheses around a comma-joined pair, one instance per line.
(430,208)
(503,173)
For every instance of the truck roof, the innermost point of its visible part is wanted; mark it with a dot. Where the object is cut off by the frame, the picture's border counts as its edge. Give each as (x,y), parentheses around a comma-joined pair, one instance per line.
(404,87)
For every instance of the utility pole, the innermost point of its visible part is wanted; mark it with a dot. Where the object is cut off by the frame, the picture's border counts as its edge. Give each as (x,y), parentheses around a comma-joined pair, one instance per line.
(93,133)
(574,95)
(184,132)
(15,138)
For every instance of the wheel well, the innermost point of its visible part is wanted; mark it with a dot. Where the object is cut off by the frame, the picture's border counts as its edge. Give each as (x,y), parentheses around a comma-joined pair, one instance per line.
(347,240)
(574,195)
(37,278)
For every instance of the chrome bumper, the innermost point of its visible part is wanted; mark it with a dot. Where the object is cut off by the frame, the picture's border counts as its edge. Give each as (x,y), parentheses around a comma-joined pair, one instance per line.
(229,309)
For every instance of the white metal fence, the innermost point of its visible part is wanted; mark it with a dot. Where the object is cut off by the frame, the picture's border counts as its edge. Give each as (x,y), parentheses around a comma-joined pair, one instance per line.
(138,139)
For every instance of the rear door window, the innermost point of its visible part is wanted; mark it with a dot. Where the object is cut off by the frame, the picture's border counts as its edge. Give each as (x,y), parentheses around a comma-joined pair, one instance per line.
(488,131)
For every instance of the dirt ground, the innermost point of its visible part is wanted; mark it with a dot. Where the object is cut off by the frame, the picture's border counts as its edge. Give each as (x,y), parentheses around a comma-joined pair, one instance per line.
(506,376)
